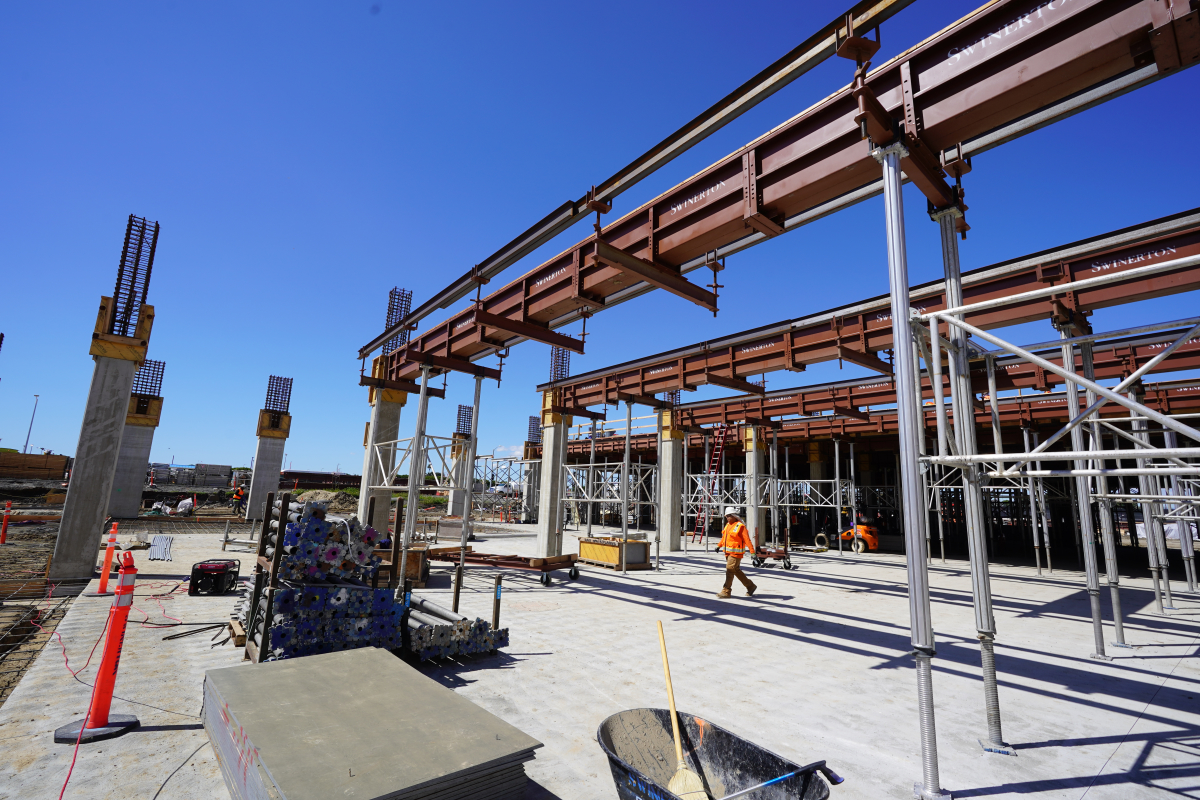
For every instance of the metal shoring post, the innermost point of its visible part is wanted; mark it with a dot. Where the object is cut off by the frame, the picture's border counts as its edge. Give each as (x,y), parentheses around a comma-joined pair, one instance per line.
(658,520)
(1087,528)
(1162,587)
(937,498)
(854,495)
(561,510)
(774,488)
(1033,511)
(1112,576)
(416,477)
(1042,509)
(468,469)
(1147,515)
(752,498)
(994,402)
(625,485)
(787,513)
(964,434)
(912,507)
(837,492)
(1183,526)
(591,480)
(707,488)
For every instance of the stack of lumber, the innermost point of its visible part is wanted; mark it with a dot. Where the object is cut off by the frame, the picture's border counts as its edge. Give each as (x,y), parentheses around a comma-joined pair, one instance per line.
(26,466)
(360,723)
(213,475)
(436,632)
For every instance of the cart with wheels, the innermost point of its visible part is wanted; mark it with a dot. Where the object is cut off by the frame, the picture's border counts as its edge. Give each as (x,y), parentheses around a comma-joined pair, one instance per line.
(541,565)
(763,554)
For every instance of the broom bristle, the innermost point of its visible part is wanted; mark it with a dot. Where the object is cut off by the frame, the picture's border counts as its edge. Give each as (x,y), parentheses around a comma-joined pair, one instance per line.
(687,785)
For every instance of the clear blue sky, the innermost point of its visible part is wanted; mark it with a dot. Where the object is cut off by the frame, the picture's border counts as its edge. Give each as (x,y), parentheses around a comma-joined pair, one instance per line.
(303,158)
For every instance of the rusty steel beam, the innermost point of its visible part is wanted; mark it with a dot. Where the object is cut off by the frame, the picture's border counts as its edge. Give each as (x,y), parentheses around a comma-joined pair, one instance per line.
(867,325)
(403,386)
(528,330)
(663,277)
(1004,70)
(867,15)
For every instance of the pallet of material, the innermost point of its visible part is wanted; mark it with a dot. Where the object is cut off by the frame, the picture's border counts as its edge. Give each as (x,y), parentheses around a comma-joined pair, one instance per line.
(238,633)
(606,552)
(359,723)
(26,466)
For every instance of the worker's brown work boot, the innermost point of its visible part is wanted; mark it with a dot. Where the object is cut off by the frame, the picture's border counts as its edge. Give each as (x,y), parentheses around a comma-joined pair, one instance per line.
(724,593)
(753,588)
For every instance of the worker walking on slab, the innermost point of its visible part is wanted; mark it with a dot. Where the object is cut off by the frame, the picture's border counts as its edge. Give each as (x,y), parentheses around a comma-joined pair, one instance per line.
(735,543)
(239,500)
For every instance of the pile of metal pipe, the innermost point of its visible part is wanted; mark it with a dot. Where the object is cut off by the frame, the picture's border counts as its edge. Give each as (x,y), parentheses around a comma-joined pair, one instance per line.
(436,632)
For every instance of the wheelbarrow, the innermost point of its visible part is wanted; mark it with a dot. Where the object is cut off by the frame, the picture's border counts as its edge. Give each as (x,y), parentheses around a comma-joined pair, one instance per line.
(641,755)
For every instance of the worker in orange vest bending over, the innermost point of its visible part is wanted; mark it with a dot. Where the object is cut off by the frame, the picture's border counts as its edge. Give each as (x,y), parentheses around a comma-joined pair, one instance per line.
(735,542)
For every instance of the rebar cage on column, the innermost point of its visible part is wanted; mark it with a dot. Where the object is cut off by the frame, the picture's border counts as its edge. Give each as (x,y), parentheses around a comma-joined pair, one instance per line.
(133,274)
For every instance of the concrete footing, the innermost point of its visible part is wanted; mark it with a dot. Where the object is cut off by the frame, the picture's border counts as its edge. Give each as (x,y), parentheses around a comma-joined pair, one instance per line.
(95,466)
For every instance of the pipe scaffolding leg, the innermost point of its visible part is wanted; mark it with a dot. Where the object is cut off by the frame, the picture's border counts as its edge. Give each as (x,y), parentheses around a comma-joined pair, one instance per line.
(1033,512)
(1083,498)
(416,477)
(1157,568)
(1183,526)
(972,483)
(912,507)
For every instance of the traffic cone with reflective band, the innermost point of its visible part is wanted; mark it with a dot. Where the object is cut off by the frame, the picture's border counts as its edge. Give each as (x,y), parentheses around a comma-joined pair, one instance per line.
(99,723)
(107,568)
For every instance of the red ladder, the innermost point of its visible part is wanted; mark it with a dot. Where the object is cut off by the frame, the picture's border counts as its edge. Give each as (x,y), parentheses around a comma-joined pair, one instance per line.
(714,465)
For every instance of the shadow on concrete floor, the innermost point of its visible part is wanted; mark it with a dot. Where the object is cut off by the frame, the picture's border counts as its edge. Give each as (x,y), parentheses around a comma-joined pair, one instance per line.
(536,791)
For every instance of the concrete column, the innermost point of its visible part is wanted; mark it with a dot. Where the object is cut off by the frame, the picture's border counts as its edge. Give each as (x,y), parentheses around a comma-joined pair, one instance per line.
(463,475)
(554,429)
(96,455)
(530,482)
(125,500)
(384,426)
(268,463)
(670,485)
(757,514)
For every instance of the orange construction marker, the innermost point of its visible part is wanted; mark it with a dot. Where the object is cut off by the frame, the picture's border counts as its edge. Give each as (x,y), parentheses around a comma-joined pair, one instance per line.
(4,528)
(107,568)
(99,723)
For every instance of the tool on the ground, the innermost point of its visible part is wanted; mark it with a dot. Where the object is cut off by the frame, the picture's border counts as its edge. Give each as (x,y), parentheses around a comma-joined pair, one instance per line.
(99,724)
(207,627)
(685,783)
(107,568)
(217,576)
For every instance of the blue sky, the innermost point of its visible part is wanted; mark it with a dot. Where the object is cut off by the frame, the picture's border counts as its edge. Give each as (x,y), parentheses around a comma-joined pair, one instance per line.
(303,158)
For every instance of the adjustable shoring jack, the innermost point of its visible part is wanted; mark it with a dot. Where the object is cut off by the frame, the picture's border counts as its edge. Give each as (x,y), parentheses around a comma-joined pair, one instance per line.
(599,207)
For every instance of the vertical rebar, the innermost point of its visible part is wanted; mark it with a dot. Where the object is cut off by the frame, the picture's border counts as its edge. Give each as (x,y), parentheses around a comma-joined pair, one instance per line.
(912,507)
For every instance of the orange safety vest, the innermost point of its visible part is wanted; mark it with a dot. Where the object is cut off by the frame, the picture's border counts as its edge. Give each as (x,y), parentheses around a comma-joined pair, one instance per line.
(735,540)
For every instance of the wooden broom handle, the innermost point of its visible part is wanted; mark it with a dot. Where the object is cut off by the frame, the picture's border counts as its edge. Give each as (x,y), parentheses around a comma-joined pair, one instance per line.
(662,643)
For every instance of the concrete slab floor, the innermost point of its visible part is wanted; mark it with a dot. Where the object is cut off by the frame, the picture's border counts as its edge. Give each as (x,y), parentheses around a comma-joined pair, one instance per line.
(814,666)
(161,681)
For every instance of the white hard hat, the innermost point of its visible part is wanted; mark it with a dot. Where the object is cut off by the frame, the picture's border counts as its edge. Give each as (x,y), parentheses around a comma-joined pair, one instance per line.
(730,511)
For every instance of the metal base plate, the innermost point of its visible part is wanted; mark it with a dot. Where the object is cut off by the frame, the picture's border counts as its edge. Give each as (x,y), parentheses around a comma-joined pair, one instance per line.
(117,725)
(999,749)
(920,793)
(1100,657)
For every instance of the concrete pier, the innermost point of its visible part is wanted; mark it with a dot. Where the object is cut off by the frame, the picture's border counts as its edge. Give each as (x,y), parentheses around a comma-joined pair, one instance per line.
(554,431)
(670,486)
(757,516)
(384,426)
(95,467)
(273,430)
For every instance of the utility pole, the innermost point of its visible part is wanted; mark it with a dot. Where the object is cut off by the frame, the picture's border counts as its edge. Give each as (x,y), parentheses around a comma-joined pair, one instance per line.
(30,431)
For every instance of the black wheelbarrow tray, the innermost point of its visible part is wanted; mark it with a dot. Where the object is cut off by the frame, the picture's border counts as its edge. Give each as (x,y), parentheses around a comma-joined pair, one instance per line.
(641,754)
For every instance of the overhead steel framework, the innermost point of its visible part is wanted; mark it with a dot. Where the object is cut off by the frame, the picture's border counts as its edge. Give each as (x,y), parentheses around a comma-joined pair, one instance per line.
(1000,72)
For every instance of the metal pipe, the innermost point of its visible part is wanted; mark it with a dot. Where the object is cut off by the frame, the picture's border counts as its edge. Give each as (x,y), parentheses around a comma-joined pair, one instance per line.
(752,498)
(1033,511)
(1184,527)
(1087,527)
(416,475)
(973,499)
(658,520)
(591,477)
(912,507)
(997,440)
(468,467)
(837,492)
(1107,539)
(1156,573)
(625,485)
(774,488)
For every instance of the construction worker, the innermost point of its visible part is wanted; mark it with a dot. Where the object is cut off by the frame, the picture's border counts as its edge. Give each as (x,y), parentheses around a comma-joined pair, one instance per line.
(735,543)
(239,500)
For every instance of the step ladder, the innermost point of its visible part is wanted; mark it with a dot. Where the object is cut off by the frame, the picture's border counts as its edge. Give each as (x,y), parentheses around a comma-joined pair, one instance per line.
(707,489)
